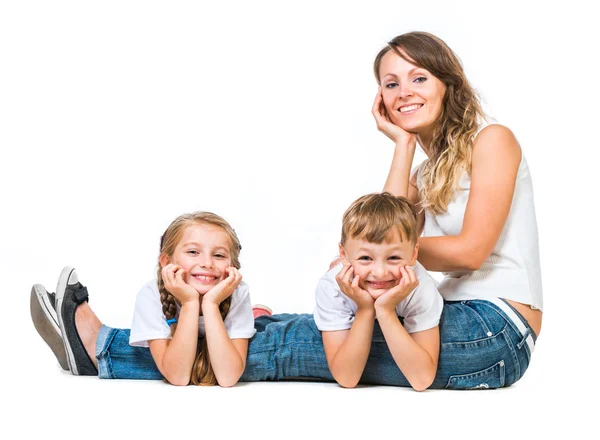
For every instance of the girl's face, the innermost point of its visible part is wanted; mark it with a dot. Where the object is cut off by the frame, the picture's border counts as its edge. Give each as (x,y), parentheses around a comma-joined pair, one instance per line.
(412,96)
(204,253)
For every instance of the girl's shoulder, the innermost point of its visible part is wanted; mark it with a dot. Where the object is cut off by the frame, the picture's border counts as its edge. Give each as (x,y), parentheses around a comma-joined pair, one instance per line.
(496,136)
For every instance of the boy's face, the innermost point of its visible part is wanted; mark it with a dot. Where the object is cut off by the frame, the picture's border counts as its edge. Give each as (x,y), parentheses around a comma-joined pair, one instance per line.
(378,265)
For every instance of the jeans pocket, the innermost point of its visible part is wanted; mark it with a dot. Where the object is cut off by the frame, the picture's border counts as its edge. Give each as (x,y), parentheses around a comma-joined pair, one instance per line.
(493,377)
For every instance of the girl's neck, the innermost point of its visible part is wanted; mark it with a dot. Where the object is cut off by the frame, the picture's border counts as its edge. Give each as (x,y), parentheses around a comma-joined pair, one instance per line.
(425,143)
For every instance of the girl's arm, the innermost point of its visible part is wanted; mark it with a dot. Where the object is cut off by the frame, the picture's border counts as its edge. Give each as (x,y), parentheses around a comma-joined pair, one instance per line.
(175,357)
(495,164)
(227,356)
(347,351)
(416,354)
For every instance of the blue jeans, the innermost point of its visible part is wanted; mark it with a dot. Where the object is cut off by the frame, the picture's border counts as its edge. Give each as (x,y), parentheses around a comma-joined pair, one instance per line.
(480,348)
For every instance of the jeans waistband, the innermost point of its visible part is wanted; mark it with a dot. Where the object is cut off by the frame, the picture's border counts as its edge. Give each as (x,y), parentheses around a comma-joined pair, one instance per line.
(525,330)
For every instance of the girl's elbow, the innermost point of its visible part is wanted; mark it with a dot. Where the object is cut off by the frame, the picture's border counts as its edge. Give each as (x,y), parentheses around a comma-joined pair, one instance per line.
(178,381)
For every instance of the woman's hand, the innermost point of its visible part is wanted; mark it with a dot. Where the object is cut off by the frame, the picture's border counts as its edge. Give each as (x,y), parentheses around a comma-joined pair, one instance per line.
(391,130)
(387,301)
(173,277)
(224,289)
(361,297)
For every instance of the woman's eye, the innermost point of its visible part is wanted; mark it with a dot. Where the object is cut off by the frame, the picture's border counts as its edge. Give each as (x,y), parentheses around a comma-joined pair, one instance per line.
(420,79)
(390,85)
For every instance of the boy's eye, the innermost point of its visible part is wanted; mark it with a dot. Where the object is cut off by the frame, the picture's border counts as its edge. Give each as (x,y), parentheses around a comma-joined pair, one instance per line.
(395,257)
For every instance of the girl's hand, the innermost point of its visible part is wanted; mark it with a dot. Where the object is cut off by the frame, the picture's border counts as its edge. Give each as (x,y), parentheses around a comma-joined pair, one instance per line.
(389,300)
(361,297)
(173,277)
(384,125)
(224,289)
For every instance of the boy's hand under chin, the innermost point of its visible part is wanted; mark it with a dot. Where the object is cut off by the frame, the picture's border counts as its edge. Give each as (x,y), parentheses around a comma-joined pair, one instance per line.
(387,301)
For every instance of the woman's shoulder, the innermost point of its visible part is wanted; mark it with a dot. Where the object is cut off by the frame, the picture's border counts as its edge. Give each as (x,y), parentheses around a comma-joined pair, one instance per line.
(496,136)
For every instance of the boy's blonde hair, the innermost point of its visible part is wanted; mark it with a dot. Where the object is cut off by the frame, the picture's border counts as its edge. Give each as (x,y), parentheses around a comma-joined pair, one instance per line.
(373,216)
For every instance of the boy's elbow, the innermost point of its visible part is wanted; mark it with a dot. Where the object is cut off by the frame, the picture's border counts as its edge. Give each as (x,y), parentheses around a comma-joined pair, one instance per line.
(422,382)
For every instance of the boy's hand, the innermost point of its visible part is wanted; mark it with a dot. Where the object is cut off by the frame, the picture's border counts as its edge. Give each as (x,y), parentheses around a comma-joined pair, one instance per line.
(361,297)
(224,289)
(387,301)
(173,277)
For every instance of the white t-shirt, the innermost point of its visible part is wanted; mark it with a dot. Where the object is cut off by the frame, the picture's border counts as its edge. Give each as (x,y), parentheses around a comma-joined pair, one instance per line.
(150,323)
(420,310)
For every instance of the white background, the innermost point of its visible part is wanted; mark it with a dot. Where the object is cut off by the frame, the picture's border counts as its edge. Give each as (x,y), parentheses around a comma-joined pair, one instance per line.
(117,116)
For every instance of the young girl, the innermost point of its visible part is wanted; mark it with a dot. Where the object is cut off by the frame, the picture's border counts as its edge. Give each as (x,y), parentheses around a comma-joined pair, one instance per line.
(196,317)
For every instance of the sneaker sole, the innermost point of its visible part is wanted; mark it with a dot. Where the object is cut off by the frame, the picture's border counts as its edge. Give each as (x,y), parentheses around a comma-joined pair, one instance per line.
(44,320)
(60,293)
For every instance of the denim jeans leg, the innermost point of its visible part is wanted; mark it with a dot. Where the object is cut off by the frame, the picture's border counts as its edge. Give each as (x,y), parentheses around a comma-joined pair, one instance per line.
(119,360)
(286,346)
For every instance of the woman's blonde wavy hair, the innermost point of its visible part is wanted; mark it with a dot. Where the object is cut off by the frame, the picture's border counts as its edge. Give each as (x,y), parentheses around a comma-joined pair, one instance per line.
(202,372)
(449,154)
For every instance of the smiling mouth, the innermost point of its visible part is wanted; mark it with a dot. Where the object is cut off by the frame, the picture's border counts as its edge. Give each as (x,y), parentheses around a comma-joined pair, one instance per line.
(379,284)
(410,108)
(205,279)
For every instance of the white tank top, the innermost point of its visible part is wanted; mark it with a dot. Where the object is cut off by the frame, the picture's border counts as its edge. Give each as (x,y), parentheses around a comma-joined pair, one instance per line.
(512,270)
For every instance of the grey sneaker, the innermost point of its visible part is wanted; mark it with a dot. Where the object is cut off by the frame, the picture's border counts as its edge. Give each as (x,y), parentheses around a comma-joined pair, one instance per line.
(69,294)
(45,320)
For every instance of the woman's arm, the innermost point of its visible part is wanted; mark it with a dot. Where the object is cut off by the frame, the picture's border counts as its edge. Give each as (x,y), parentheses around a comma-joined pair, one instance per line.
(416,354)
(227,356)
(175,357)
(347,351)
(495,164)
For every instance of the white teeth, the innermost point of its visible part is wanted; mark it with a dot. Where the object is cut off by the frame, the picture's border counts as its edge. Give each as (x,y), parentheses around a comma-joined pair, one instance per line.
(409,108)
(204,278)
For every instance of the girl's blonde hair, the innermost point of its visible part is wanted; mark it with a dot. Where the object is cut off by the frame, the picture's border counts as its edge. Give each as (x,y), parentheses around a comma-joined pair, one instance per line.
(202,372)
(449,154)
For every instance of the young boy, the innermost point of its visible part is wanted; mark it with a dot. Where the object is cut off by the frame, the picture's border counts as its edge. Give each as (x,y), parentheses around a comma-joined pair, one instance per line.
(379,279)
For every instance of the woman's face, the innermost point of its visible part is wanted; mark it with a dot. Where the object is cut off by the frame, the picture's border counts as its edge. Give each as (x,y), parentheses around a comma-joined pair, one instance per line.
(412,96)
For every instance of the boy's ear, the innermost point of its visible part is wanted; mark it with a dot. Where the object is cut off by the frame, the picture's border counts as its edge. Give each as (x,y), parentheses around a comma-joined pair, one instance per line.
(343,253)
(413,261)
(164,260)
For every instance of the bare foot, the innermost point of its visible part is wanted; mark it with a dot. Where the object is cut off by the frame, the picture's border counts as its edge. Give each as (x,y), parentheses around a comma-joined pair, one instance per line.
(88,326)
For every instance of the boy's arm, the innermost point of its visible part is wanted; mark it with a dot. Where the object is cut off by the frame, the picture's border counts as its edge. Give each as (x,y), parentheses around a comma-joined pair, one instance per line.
(416,354)
(347,351)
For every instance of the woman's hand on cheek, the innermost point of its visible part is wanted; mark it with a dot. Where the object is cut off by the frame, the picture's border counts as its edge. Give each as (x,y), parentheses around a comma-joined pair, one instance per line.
(389,300)
(174,279)
(224,289)
(391,130)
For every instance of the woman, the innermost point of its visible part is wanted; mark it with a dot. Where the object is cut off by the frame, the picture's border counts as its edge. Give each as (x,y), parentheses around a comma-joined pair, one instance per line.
(476,211)
(478,226)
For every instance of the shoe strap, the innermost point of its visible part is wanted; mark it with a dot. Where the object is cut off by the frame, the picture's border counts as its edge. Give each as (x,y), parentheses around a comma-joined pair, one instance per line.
(80,293)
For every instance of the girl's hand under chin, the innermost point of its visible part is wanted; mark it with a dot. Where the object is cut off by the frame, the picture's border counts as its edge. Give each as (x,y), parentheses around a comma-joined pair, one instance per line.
(174,279)
(391,130)
(224,289)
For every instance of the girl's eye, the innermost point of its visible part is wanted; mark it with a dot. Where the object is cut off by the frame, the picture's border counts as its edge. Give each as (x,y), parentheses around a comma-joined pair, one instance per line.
(364,258)
(420,79)
(193,252)
(219,256)
(395,258)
